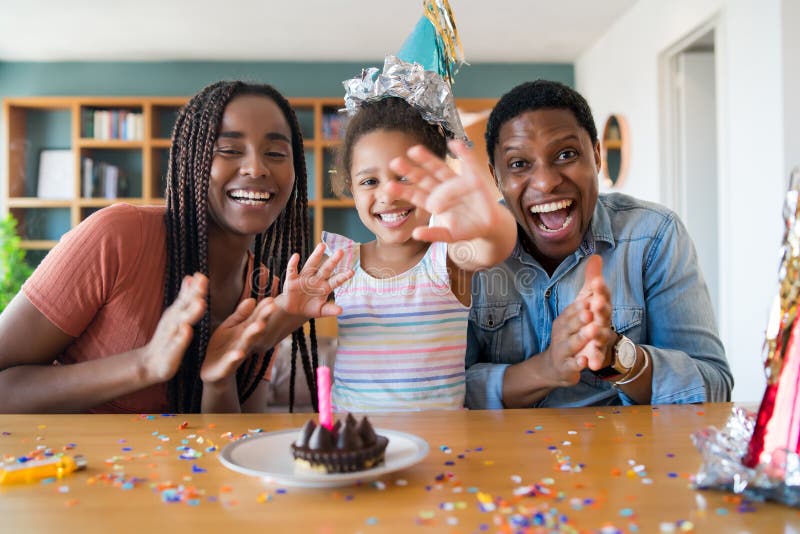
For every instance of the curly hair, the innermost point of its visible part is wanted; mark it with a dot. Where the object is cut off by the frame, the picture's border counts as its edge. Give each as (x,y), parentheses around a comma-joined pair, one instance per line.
(391,114)
(532,96)
(186,219)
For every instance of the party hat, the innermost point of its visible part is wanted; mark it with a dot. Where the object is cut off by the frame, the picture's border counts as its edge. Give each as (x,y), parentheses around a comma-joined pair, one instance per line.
(434,42)
(420,74)
(759,456)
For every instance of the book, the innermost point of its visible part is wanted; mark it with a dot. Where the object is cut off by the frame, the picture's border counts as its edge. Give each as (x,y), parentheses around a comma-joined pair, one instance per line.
(111,181)
(88,175)
(56,174)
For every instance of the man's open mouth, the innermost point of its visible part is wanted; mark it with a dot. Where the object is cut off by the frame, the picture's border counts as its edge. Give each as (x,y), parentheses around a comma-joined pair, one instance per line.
(553,216)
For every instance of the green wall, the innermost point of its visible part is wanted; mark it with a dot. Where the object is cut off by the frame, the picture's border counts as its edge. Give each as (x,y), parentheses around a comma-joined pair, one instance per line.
(184,78)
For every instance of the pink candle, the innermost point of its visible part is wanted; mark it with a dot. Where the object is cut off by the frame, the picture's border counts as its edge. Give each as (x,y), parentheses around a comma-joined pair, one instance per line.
(324,396)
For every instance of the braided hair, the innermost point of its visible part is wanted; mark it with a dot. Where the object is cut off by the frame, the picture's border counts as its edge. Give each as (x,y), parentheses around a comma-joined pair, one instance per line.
(192,149)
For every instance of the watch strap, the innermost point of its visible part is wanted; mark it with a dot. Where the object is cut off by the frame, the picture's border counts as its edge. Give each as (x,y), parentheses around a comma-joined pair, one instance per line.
(613,370)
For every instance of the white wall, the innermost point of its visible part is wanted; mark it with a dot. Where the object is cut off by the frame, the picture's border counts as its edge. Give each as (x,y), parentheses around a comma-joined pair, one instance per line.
(620,74)
(791,82)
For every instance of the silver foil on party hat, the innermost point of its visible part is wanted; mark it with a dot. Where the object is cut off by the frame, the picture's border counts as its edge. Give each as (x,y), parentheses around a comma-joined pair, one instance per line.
(426,91)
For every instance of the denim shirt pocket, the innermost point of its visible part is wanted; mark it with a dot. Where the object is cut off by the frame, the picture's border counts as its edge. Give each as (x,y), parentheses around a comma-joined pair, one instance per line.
(627,320)
(500,327)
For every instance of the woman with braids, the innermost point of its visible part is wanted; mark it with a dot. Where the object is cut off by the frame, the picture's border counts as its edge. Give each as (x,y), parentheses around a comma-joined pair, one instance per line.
(153,309)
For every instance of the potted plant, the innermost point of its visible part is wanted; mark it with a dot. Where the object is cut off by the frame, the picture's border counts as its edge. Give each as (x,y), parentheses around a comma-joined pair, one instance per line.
(13,269)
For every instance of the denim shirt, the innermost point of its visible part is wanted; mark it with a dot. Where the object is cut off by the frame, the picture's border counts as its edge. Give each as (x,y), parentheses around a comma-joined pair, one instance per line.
(659,299)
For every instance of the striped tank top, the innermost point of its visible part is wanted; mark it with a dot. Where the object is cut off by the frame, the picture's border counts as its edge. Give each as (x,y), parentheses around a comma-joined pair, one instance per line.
(402,340)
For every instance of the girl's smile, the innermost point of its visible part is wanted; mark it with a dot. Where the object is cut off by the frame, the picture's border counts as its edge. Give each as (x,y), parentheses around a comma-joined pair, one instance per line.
(391,219)
(394,218)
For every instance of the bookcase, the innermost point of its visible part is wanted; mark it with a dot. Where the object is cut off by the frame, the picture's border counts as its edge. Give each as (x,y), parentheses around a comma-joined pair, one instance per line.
(116,149)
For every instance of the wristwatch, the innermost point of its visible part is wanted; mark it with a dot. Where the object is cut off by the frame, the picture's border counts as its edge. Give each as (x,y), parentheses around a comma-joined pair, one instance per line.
(623,358)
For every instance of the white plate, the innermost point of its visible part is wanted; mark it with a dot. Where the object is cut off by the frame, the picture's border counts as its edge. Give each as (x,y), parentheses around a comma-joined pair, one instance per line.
(269,455)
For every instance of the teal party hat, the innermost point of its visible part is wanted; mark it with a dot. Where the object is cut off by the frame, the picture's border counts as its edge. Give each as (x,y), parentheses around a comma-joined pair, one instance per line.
(434,42)
(421,73)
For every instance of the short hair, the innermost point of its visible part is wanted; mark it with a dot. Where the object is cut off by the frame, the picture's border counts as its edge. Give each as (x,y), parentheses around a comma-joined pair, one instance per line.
(532,96)
(391,114)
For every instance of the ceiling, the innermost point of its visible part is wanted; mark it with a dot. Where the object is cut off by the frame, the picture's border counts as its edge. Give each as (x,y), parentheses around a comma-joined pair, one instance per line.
(292,30)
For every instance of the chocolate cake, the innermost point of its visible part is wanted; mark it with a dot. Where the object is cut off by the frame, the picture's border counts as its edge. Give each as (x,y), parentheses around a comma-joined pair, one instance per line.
(352,446)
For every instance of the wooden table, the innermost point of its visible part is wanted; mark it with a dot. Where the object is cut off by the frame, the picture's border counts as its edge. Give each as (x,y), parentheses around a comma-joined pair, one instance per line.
(585,469)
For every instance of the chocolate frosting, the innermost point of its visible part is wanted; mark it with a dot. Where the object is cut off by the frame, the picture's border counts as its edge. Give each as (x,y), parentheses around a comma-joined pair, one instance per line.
(321,439)
(343,450)
(305,434)
(366,432)
(349,438)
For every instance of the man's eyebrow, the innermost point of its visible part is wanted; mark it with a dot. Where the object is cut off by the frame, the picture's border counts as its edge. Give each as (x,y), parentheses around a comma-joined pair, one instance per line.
(515,145)
(564,139)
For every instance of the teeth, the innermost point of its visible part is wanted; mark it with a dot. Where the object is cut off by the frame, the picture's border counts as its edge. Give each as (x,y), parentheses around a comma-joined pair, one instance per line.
(394,217)
(551,206)
(249,197)
(566,223)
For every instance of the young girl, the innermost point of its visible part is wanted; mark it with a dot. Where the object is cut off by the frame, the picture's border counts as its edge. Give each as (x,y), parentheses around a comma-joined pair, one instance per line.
(105,323)
(402,334)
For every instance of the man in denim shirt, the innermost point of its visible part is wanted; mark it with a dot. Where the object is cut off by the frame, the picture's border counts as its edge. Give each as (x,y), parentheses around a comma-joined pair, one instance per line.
(556,326)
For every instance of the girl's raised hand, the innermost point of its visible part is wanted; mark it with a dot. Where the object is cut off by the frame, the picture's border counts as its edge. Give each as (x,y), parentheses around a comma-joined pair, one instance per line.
(162,355)
(305,294)
(234,339)
(465,204)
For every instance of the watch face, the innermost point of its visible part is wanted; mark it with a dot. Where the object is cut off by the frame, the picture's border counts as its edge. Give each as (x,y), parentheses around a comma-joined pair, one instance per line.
(626,352)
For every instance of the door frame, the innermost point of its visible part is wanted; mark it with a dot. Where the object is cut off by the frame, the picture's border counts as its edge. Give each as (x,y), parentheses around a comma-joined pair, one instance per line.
(671,190)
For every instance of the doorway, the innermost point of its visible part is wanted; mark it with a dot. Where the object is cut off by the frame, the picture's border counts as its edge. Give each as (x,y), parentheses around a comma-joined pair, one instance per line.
(691,178)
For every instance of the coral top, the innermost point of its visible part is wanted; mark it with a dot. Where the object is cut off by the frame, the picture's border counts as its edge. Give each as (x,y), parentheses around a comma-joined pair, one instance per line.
(402,339)
(103,284)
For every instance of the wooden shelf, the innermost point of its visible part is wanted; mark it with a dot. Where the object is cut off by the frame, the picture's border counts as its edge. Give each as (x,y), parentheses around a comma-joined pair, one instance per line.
(104,202)
(34,202)
(31,244)
(337,203)
(110,143)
